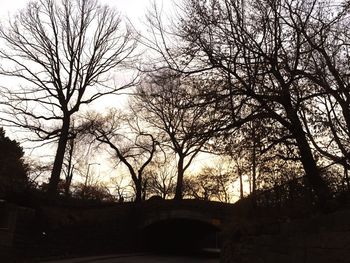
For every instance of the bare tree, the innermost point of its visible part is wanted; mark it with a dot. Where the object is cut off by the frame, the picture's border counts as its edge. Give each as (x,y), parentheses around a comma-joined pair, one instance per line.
(120,187)
(212,183)
(37,172)
(131,145)
(324,30)
(62,52)
(259,52)
(170,105)
(96,192)
(78,152)
(161,178)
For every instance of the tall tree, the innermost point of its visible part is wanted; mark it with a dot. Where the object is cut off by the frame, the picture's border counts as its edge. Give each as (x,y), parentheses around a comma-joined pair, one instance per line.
(257,51)
(170,105)
(324,30)
(62,52)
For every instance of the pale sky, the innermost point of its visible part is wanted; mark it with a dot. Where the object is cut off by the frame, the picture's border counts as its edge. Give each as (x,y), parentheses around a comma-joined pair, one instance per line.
(135,9)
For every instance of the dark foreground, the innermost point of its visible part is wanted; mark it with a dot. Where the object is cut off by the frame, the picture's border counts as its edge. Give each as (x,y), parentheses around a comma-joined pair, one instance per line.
(139,258)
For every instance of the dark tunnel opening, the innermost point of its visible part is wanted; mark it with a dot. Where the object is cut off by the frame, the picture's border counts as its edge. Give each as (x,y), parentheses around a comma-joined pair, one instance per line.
(181,236)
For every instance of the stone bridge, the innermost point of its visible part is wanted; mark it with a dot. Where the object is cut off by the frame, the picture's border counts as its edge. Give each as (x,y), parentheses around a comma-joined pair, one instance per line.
(160,224)
(215,214)
(254,235)
(186,224)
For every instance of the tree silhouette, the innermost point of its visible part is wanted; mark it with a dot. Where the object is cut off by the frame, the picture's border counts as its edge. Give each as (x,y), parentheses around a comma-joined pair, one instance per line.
(272,55)
(13,171)
(211,183)
(161,178)
(94,192)
(170,105)
(323,28)
(131,145)
(61,52)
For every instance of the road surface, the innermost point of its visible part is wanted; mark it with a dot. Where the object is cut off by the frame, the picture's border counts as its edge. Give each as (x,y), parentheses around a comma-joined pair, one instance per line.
(138,258)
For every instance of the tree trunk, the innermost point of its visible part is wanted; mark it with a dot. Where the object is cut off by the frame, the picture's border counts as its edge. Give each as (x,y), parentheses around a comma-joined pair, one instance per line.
(254,167)
(57,165)
(138,189)
(144,189)
(70,168)
(68,183)
(346,175)
(240,183)
(309,164)
(180,178)
(250,183)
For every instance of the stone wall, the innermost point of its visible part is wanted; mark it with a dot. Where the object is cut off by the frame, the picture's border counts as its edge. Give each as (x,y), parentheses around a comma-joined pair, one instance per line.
(71,231)
(17,225)
(321,239)
(51,231)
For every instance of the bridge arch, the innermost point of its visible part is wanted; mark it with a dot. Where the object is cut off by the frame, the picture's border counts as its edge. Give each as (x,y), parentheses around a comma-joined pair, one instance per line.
(180,214)
(179,230)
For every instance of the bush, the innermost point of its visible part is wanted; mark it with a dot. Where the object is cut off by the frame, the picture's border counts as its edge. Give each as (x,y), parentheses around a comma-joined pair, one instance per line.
(13,171)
